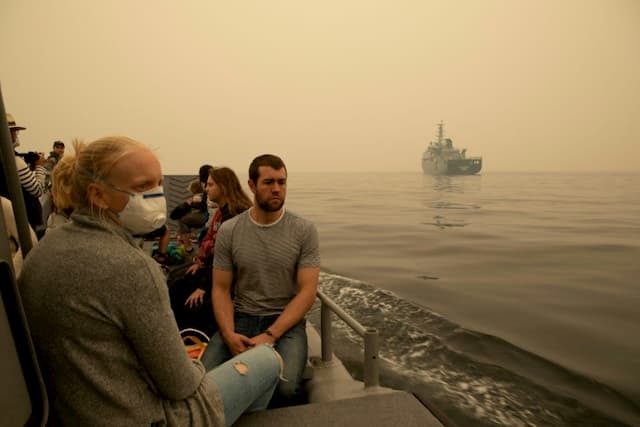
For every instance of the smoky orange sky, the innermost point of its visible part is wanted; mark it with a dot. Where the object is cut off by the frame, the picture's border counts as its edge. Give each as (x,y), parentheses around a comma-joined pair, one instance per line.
(351,85)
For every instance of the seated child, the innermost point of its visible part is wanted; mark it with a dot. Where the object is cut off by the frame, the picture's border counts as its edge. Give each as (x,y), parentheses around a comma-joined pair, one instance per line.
(191,214)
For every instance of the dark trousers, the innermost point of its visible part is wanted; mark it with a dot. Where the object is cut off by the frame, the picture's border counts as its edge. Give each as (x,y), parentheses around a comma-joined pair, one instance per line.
(201,316)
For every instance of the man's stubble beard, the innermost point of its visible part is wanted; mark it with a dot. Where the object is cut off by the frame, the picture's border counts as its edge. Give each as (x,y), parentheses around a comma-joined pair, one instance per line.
(265,206)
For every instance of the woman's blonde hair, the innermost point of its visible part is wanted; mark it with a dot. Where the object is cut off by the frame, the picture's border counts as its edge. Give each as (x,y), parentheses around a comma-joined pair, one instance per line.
(90,164)
(61,187)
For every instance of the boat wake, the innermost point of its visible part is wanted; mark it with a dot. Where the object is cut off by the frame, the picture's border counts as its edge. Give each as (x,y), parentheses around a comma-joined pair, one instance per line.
(473,378)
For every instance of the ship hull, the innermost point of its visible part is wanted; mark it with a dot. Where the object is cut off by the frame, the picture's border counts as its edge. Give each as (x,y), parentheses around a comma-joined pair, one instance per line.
(469,166)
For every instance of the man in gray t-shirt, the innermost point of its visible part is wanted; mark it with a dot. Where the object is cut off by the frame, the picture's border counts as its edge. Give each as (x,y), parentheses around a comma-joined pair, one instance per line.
(271,259)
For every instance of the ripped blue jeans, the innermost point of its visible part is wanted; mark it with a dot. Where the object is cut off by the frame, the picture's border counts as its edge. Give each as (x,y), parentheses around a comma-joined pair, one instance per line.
(292,346)
(246,383)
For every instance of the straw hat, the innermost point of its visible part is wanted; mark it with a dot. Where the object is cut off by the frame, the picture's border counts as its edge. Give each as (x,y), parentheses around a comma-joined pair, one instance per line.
(12,123)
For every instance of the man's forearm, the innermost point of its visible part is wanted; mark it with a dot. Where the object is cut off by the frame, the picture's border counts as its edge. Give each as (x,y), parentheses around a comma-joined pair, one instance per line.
(294,312)
(223,311)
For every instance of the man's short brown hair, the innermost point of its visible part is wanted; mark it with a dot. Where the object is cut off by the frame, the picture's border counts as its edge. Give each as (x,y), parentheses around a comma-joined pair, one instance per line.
(270,160)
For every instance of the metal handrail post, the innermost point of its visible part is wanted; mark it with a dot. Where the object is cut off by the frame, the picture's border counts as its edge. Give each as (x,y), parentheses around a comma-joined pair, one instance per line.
(325,332)
(371,348)
(370,336)
(353,323)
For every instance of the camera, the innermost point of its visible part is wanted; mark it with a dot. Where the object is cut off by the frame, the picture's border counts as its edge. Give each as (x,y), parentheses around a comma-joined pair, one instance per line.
(30,157)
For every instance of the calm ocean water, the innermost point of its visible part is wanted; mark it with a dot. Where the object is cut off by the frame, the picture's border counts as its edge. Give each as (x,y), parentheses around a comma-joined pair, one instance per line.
(506,299)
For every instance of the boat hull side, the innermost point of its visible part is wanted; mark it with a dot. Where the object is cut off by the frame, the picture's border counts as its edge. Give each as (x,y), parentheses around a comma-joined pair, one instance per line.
(469,166)
(464,166)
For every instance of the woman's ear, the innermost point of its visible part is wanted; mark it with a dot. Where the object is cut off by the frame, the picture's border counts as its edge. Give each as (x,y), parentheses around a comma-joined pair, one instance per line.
(96,196)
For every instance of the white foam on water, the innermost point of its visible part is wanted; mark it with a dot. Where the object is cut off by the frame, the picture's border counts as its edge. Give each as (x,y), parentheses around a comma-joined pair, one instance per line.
(484,398)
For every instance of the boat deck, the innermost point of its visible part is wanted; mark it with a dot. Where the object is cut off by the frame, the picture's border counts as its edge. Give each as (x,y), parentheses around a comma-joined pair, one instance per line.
(337,399)
(390,409)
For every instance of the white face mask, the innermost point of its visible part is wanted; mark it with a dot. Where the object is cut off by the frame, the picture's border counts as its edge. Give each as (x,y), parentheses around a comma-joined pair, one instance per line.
(145,212)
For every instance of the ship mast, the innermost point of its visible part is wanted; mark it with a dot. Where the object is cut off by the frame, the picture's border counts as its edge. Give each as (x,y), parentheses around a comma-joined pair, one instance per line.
(440,132)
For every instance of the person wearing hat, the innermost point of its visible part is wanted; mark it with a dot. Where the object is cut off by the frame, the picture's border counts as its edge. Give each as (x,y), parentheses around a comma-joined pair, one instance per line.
(14,128)
(31,176)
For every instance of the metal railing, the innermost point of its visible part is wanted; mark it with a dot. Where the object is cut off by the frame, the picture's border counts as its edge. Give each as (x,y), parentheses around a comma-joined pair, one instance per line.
(370,336)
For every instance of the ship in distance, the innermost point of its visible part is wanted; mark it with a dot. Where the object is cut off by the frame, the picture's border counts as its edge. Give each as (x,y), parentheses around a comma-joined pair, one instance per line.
(442,158)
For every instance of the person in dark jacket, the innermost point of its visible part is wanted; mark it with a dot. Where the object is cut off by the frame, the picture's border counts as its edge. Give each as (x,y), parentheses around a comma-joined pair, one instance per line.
(195,216)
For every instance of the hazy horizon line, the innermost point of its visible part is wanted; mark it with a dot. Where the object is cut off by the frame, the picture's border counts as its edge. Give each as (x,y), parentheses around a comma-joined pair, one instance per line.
(547,172)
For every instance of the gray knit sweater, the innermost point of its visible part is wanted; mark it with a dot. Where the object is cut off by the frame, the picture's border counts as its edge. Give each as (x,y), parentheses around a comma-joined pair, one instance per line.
(105,335)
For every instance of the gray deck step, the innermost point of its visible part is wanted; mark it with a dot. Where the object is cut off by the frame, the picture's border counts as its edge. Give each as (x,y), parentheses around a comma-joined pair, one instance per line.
(379,410)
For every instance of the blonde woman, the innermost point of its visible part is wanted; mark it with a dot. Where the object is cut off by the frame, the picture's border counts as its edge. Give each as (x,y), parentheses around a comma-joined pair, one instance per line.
(99,313)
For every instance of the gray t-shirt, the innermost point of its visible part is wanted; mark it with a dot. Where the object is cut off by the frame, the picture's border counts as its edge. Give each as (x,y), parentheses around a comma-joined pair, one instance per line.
(265,259)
